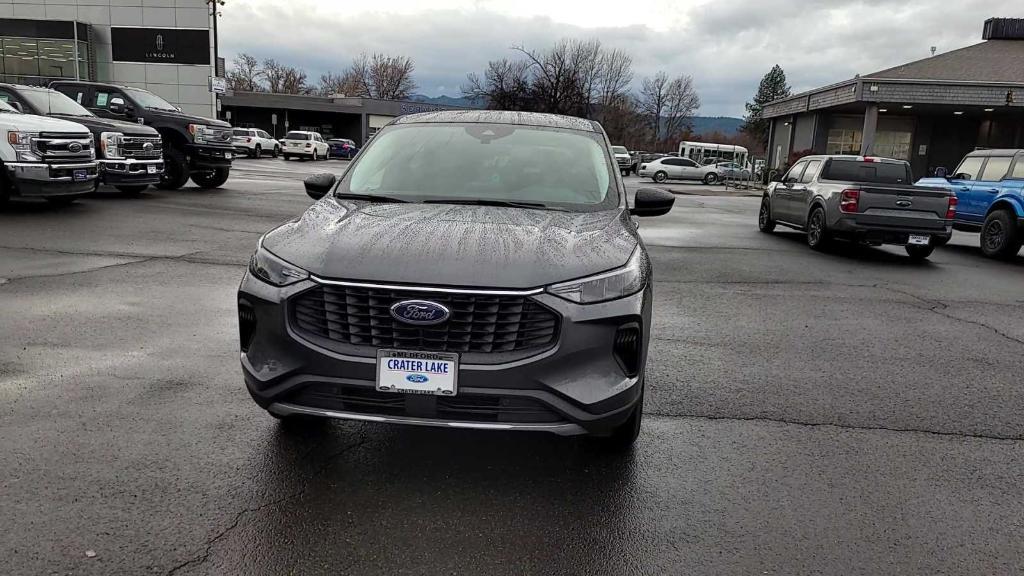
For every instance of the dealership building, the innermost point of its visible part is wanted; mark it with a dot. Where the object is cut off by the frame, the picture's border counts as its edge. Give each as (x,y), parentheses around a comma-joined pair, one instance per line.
(164,46)
(930,112)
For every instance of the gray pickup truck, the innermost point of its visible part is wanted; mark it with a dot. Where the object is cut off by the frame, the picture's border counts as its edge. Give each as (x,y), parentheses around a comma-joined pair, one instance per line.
(862,199)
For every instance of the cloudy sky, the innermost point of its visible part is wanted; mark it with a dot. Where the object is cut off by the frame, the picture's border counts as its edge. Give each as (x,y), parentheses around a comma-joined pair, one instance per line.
(726,45)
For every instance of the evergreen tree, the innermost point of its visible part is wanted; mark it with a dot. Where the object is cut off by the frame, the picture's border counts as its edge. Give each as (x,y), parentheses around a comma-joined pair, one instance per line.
(773,87)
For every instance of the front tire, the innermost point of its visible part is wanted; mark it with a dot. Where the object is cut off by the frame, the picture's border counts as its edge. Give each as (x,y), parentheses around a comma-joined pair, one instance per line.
(764,217)
(212,179)
(710,178)
(817,230)
(276,152)
(1000,238)
(918,252)
(176,171)
(660,177)
(257,153)
(132,190)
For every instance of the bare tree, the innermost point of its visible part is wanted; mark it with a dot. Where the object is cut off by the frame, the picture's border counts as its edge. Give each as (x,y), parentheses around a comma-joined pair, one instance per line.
(283,79)
(391,77)
(245,74)
(668,105)
(504,86)
(331,84)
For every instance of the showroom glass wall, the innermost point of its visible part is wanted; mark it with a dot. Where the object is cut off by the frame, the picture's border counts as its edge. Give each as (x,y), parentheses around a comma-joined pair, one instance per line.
(39,60)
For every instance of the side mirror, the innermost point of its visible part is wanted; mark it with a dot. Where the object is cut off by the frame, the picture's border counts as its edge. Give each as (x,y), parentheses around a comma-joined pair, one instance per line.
(318,185)
(941,172)
(652,202)
(790,180)
(962,176)
(16,106)
(116,106)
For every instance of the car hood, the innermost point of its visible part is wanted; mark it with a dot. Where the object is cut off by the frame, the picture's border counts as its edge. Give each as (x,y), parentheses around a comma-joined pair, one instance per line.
(437,244)
(110,125)
(153,114)
(33,123)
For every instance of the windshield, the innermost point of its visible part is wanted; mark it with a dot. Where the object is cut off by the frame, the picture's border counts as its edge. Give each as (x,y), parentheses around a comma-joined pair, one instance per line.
(52,102)
(297,136)
(620,150)
(7,108)
(486,162)
(868,172)
(149,100)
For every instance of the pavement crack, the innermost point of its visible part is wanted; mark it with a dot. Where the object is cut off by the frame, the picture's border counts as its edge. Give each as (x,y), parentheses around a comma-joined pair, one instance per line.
(204,555)
(768,420)
(74,272)
(938,307)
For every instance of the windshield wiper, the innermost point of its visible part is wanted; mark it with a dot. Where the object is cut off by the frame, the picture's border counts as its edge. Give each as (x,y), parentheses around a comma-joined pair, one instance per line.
(487,202)
(369,197)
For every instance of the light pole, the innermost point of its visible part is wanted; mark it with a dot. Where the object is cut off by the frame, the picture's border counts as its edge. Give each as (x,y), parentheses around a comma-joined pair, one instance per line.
(214,6)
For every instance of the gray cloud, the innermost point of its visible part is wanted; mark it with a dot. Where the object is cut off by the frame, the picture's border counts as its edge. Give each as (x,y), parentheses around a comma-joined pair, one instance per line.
(725,46)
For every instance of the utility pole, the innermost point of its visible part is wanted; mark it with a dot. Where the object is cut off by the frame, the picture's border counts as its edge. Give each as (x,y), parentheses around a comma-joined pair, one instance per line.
(214,6)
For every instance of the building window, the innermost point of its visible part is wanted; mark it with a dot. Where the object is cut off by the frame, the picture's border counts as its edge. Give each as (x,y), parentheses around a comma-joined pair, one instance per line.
(842,141)
(892,145)
(36,61)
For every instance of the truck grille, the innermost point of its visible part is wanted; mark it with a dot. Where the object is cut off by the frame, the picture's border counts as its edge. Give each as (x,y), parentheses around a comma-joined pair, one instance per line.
(142,146)
(62,147)
(479,323)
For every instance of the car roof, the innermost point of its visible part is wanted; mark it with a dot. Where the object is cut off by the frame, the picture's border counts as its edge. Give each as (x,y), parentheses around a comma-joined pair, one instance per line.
(997,152)
(500,117)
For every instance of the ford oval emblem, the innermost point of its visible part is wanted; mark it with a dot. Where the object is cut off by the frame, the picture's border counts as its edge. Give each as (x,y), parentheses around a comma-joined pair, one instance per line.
(417,378)
(74,147)
(419,312)
(148,146)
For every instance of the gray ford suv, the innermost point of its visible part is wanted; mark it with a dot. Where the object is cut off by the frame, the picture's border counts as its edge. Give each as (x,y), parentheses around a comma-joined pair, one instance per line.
(471,269)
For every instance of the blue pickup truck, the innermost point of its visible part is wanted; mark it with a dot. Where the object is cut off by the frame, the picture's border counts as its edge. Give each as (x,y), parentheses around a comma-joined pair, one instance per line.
(989,186)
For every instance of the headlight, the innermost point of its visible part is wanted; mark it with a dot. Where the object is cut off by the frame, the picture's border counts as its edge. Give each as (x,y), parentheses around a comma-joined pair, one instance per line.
(617,283)
(273,270)
(199,132)
(110,145)
(22,144)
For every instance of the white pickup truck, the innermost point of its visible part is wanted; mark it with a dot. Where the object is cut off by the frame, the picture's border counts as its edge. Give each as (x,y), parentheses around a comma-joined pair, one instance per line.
(45,157)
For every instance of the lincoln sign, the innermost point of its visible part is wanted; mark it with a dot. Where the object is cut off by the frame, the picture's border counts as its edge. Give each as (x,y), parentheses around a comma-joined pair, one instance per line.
(160,45)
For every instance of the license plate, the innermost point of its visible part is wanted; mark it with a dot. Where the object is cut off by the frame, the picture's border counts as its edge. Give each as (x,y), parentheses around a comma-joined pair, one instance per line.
(80,175)
(227,155)
(417,372)
(919,240)
(151,169)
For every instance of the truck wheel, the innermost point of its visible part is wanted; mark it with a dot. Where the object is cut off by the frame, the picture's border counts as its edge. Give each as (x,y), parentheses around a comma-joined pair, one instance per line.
(660,176)
(764,218)
(919,253)
(211,179)
(176,170)
(818,237)
(999,236)
(132,190)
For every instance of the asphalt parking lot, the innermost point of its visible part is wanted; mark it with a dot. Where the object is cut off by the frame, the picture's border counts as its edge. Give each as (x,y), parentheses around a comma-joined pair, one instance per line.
(842,413)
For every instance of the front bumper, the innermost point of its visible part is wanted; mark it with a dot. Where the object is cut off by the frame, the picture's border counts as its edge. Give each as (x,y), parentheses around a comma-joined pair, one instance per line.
(41,180)
(889,230)
(130,171)
(209,156)
(574,387)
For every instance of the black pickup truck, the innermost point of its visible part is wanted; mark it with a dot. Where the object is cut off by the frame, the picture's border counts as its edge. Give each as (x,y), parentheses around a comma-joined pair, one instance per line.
(129,154)
(193,147)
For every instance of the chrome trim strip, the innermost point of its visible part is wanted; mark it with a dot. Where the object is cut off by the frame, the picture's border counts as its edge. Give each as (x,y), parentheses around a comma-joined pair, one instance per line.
(529,292)
(562,429)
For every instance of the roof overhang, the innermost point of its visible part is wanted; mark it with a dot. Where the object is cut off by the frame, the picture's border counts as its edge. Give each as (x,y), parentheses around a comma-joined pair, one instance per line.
(900,91)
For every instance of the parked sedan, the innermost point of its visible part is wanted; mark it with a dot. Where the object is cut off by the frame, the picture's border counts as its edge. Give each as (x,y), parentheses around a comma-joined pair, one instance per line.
(733,171)
(664,169)
(341,148)
(537,319)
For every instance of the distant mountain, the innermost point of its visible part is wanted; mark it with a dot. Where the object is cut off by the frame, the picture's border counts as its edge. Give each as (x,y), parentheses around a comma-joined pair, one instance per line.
(447,100)
(724,124)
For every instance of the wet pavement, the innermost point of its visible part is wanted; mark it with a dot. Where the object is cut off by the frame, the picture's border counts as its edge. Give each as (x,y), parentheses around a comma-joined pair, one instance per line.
(806,413)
